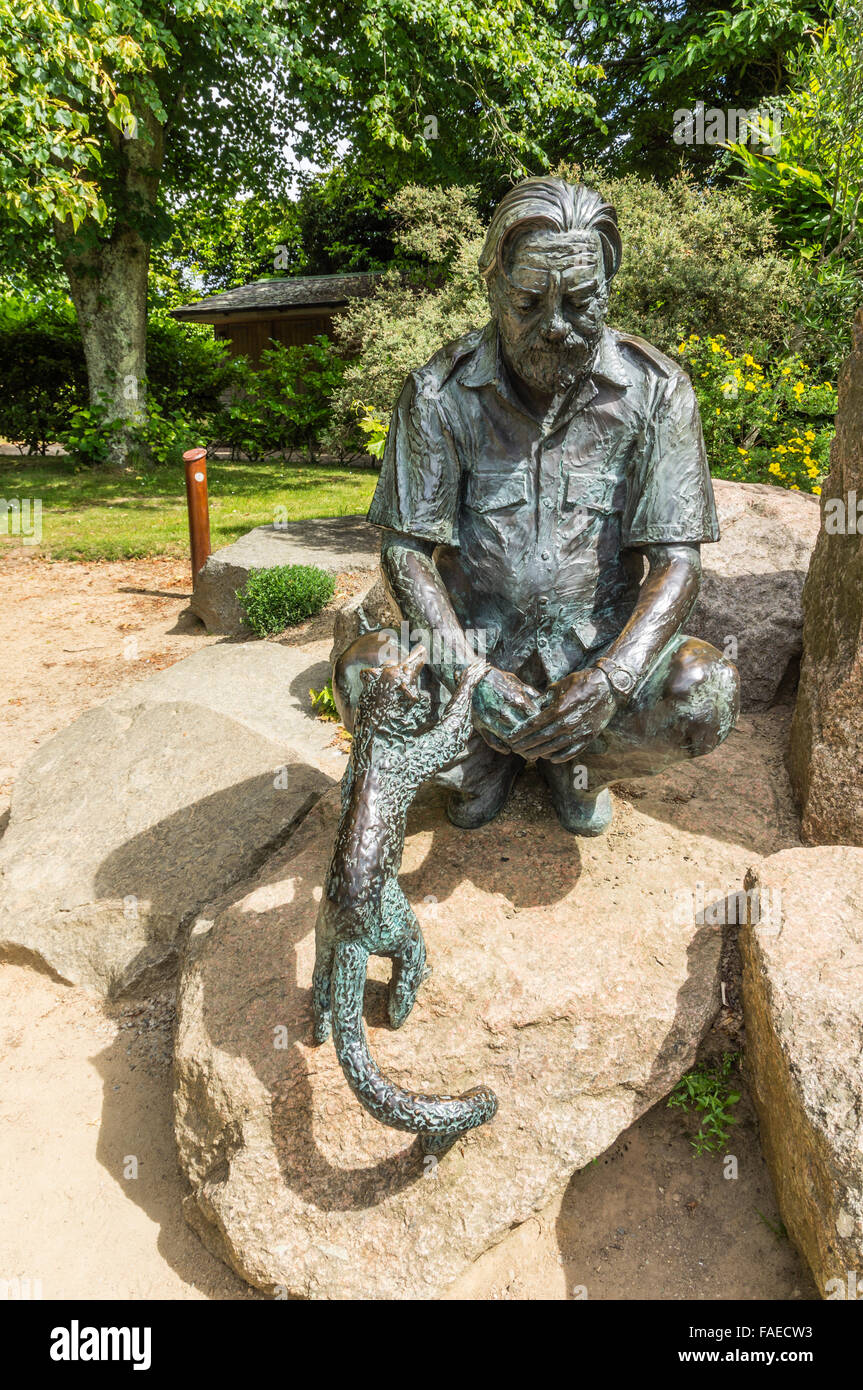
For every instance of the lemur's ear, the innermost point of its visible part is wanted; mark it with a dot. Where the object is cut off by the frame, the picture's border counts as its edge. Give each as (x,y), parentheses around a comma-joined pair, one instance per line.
(369,676)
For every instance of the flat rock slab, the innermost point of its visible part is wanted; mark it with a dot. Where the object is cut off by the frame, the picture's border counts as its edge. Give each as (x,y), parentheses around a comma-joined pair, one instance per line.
(126,822)
(338,544)
(803,1002)
(570,975)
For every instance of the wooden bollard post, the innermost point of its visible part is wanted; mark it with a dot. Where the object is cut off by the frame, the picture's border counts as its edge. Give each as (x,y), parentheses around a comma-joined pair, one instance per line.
(199,509)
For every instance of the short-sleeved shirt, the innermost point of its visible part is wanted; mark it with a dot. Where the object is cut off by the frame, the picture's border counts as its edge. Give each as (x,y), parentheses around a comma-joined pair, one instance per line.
(537,523)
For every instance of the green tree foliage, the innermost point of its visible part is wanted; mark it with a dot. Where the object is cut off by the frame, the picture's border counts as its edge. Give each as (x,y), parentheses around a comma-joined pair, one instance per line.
(695,260)
(659,56)
(111,107)
(813,186)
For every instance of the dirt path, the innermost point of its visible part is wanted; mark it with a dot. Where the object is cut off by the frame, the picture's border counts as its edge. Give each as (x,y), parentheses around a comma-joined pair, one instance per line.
(72,634)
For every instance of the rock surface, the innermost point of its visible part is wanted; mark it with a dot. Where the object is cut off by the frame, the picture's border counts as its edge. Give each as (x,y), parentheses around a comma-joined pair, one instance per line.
(804,1028)
(130,819)
(826,757)
(569,975)
(337,544)
(751,588)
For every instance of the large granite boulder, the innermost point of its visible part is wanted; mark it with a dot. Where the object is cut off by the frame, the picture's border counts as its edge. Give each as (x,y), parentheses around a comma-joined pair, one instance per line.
(574,977)
(753,581)
(130,819)
(826,756)
(338,544)
(803,1006)
(750,600)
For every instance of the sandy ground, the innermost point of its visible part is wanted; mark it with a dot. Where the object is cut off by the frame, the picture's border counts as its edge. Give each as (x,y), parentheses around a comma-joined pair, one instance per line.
(90,1190)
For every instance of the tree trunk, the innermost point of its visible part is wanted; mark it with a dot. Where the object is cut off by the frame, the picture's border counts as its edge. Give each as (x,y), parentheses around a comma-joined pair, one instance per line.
(107,274)
(108,284)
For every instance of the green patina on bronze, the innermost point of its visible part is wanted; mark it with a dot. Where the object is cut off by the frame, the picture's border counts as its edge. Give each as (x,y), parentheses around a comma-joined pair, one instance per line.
(545,485)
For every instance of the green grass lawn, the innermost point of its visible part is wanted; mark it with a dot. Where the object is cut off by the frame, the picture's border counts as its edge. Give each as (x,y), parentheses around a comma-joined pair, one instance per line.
(98,515)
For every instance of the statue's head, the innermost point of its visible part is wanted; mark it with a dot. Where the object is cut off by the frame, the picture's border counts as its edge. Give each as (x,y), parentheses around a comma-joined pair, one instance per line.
(392,701)
(548,260)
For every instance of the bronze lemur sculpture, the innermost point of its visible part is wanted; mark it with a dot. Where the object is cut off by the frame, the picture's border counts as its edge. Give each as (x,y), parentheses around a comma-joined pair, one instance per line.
(364,912)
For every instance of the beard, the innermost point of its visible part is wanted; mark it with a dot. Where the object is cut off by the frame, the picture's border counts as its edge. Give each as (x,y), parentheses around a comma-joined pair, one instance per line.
(553,367)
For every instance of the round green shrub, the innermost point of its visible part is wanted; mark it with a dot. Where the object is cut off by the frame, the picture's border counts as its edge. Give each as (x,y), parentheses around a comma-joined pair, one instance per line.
(273,599)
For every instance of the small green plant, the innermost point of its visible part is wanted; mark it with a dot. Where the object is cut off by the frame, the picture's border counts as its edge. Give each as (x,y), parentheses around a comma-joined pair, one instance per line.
(280,597)
(708,1088)
(324,704)
(373,426)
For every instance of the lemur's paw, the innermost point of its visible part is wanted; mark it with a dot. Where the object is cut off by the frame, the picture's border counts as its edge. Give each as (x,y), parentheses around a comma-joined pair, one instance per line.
(323,1025)
(401,1001)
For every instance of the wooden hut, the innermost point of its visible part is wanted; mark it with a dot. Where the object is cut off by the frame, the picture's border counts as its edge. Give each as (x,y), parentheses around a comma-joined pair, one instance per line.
(292,310)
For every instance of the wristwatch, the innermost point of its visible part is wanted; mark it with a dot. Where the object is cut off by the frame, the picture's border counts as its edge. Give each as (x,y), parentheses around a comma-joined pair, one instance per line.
(620,678)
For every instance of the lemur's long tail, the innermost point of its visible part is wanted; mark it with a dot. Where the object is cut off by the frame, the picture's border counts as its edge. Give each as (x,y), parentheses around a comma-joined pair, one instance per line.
(439,1119)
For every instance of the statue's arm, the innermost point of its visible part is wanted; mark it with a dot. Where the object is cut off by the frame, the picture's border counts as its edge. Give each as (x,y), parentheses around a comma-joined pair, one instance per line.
(418,592)
(665,600)
(579,706)
(448,738)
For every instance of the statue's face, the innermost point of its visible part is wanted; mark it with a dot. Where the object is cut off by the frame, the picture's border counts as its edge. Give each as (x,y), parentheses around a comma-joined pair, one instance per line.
(550,302)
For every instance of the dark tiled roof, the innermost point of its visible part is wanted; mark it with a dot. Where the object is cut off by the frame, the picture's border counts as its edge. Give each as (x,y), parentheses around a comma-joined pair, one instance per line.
(292,292)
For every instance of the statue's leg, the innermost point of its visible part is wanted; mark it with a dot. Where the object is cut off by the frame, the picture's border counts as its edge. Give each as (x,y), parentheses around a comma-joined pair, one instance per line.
(481,779)
(683,709)
(321,980)
(406,948)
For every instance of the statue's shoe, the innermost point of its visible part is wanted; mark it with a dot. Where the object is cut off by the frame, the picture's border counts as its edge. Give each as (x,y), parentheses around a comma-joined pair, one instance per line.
(583,814)
(471,809)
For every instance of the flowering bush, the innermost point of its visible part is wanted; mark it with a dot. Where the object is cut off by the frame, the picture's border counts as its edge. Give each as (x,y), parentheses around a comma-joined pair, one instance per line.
(762,424)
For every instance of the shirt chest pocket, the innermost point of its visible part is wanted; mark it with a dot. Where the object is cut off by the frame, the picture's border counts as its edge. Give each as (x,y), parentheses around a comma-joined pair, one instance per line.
(594,489)
(494,491)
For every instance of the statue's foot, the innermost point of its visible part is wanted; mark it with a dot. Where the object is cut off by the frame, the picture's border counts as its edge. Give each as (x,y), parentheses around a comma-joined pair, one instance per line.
(471,809)
(583,814)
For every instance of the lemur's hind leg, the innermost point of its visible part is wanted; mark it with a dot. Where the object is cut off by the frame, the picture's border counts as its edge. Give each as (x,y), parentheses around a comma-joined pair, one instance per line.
(407,950)
(321,984)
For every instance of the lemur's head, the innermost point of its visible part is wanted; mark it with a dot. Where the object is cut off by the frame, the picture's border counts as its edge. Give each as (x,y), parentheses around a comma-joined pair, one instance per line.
(392,699)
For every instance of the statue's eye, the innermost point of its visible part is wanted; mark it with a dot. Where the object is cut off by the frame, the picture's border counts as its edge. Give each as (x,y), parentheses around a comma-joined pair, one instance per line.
(526,302)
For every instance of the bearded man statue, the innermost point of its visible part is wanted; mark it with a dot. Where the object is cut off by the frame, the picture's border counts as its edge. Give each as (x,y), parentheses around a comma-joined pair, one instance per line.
(545,487)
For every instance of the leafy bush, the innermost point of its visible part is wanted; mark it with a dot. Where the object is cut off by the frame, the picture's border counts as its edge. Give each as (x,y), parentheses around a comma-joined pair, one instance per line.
(43,379)
(280,597)
(695,260)
(159,439)
(764,424)
(284,406)
(434,294)
(698,260)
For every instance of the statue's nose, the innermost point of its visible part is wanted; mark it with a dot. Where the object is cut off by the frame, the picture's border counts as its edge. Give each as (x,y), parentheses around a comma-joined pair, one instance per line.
(554,328)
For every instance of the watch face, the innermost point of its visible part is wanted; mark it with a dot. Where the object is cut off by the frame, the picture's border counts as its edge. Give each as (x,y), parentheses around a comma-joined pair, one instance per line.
(623,681)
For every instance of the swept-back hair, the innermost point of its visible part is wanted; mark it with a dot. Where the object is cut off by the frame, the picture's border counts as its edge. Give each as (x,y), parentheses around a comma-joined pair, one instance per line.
(546,202)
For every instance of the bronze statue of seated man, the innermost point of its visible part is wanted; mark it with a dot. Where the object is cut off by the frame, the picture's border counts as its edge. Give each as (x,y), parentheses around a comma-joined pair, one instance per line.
(544,494)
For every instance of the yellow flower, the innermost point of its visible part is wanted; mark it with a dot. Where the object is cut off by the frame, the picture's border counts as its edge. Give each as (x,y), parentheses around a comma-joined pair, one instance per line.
(810,434)
(681,347)
(749,386)
(744,452)
(817,491)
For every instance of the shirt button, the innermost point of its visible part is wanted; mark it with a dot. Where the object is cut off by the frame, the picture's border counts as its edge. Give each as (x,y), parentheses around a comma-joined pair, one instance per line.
(545,555)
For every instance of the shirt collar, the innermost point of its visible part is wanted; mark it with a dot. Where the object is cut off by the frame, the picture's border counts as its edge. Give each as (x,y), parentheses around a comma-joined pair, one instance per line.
(486,367)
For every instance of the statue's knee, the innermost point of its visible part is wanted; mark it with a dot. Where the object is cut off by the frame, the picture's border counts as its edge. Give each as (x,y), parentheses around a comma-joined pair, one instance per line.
(704,686)
(377,648)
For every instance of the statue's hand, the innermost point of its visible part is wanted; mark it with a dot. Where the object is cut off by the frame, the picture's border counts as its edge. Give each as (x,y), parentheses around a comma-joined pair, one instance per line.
(577,708)
(501,703)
